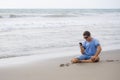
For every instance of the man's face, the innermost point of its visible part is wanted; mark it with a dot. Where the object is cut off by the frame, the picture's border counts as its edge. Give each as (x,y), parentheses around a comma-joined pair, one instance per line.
(86,37)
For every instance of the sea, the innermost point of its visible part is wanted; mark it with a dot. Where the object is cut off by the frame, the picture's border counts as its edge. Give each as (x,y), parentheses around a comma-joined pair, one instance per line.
(25,32)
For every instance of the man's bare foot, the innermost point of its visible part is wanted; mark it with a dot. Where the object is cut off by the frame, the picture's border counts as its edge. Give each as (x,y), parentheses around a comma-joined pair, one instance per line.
(75,60)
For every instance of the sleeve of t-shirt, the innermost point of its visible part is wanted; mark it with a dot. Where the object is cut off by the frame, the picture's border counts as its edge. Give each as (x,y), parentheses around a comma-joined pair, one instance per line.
(97,43)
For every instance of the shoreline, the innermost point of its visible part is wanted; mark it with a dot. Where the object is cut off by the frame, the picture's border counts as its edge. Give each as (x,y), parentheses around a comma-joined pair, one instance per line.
(54,51)
(59,53)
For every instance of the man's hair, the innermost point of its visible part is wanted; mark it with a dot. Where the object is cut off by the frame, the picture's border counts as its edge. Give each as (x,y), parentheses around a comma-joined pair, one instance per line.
(86,33)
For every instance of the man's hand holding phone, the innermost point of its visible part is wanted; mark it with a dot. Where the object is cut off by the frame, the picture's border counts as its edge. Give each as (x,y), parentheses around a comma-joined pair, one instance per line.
(80,43)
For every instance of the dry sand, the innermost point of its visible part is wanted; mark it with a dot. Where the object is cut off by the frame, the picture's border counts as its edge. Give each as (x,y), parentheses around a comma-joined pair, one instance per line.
(61,69)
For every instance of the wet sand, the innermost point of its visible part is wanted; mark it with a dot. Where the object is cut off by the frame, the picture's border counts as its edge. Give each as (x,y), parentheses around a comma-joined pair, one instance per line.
(62,69)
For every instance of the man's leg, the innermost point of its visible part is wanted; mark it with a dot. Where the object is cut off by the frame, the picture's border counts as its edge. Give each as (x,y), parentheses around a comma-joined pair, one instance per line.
(76,60)
(90,60)
(81,58)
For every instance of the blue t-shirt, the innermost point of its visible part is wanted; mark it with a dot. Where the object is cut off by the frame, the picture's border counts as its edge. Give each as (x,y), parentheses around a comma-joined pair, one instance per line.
(91,47)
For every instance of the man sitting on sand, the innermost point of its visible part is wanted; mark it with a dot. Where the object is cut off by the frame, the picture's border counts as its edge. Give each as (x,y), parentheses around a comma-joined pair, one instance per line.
(90,50)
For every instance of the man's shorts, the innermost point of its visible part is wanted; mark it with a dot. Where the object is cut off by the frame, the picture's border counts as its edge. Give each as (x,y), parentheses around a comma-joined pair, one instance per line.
(83,57)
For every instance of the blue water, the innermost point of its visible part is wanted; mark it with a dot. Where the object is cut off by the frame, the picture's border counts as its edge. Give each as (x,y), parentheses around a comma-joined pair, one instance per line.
(24,31)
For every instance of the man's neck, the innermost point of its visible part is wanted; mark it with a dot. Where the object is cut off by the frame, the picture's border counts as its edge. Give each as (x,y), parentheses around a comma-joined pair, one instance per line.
(90,39)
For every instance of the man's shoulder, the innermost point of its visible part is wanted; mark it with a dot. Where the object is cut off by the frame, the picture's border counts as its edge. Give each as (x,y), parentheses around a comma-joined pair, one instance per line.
(94,39)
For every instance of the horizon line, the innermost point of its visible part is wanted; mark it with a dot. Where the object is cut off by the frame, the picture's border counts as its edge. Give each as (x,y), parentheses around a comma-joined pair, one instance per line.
(59,8)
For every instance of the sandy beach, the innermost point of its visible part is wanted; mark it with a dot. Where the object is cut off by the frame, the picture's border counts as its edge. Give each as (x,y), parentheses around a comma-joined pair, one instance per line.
(60,68)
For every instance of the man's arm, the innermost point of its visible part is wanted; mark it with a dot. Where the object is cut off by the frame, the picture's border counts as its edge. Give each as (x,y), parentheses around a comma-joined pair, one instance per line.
(99,49)
(82,49)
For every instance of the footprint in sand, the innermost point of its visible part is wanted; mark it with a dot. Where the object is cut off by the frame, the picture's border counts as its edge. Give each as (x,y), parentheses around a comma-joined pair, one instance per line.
(112,60)
(62,65)
(67,64)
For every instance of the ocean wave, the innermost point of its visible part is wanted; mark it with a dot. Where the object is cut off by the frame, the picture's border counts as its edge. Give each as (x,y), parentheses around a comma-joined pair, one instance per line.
(14,16)
(22,15)
(50,15)
(36,15)
(60,15)
(17,15)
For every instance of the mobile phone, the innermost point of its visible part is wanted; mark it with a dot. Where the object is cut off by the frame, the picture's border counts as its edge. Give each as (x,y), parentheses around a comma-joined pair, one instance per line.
(80,43)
